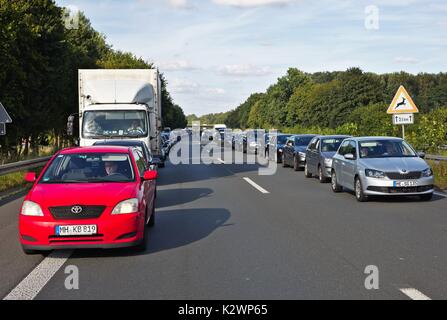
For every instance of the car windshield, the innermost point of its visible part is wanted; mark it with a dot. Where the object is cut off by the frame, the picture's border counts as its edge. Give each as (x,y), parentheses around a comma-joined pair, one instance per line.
(89,168)
(303,141)
(331,145)
(282,139)
(385,149)
(98,124)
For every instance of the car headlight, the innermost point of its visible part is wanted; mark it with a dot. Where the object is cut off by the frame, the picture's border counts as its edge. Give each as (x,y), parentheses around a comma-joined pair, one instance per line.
(427,172)
(302,155)
(328,162)
(32,209)
(374,174)
(126,206)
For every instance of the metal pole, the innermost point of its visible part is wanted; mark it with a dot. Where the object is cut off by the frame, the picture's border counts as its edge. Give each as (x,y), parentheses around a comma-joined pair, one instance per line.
(403,132)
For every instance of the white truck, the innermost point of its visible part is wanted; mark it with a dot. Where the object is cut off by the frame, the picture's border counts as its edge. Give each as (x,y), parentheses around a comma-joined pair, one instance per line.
(120,105)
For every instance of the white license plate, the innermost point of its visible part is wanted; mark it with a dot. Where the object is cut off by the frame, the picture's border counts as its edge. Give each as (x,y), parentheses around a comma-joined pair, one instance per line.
(77,230)
(405,183)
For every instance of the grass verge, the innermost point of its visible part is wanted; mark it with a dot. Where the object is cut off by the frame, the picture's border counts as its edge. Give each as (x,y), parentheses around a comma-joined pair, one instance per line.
(440,173)
(15,180)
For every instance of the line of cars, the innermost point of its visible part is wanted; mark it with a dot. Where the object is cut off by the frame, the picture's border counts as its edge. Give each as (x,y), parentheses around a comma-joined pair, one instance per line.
(369,166)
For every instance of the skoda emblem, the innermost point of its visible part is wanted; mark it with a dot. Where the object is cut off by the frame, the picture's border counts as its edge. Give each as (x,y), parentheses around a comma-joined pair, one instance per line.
(76,209)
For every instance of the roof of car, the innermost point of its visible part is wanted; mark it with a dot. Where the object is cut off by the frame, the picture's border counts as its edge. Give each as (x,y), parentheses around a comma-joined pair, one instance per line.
(131,143)
(378,138)
(96,149)
(335,136)
(304,135)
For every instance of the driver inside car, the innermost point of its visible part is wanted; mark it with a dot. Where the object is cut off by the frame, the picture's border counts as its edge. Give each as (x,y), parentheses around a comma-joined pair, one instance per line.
(136,127)
(111,168)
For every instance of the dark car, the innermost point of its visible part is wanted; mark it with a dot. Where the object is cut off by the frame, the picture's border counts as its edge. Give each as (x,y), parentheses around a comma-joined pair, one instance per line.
(279,141)
(294,153)
(319,156)
(140,145)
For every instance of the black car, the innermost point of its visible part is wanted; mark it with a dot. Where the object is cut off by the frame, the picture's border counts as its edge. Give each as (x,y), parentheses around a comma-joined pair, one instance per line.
(137,144)
(279,141)
(294,153)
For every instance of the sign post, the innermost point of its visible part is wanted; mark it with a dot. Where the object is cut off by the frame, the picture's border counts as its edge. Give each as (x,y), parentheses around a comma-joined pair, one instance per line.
(4,119)
(402,109)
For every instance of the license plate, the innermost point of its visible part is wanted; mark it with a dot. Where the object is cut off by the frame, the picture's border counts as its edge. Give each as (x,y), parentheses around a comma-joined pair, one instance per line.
(405,183)
(77,230)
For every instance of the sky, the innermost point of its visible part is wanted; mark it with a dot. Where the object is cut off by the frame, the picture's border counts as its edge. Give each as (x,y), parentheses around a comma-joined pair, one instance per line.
(215,53)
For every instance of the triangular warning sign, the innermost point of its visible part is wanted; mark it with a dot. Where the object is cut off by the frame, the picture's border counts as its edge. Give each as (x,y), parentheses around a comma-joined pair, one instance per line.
(402,103)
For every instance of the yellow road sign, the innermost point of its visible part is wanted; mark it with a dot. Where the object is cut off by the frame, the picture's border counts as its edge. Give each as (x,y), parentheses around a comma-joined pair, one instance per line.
(402,103)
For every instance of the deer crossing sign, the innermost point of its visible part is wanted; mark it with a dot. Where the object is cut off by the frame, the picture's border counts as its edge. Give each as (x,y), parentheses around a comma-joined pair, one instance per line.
(402,103)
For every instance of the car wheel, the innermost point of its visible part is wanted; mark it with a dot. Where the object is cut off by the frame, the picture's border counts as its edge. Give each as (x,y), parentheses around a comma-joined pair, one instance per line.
(151,222)
(296,165)
(142,246)
(426,197)
(307,174)
(359,194)
(321,177)
(283,160)
(334,184)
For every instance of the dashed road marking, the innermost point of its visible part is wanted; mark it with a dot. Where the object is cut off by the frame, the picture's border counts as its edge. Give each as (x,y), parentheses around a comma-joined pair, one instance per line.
(414,294)
(34,282)
(256,186)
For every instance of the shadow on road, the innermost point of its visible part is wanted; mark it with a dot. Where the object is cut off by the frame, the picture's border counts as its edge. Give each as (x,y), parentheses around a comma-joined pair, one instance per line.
(173,229)
(173,197)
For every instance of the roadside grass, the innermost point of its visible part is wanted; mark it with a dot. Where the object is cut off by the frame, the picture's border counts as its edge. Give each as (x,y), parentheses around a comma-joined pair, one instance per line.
(16,180)
(440,173)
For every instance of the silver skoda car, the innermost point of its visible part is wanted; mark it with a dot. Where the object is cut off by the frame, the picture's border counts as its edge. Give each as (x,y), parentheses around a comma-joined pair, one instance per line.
(381,166)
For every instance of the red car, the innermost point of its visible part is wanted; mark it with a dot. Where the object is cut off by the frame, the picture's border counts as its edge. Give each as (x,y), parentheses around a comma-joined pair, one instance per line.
(94,197)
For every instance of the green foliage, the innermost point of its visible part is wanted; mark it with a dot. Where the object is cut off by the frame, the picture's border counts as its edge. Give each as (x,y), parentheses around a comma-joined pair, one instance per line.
(39,62)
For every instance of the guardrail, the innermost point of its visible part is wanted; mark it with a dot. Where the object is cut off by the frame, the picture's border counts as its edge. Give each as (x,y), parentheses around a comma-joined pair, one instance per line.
(22,165)
(435,158)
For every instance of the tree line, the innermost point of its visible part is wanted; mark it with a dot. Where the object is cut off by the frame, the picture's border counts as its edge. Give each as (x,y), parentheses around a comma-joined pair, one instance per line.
(349,102)
(39,62)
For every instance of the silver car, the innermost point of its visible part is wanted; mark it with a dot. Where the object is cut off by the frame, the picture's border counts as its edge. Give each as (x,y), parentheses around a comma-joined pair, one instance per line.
(381,166)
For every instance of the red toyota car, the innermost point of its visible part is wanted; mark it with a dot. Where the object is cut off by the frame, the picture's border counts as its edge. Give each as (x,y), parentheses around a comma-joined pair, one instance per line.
(94,197)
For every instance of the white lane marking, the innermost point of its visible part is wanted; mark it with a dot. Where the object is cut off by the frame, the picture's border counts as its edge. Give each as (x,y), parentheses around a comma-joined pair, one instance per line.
(440,194)
(30,287)
(255,185)
(414,294)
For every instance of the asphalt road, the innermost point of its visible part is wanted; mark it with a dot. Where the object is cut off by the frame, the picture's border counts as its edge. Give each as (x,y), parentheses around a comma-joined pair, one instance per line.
(219,237)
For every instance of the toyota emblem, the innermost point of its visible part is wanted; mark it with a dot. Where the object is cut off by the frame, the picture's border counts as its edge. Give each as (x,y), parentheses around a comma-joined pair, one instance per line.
(76,209)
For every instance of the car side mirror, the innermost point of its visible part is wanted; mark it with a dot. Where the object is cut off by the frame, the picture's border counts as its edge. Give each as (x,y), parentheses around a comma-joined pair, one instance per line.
(30,177)
(150,175)
(421,154)
(349,156)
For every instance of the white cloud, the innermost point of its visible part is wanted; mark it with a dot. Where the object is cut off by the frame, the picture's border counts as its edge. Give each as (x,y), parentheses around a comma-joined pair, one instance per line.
(245,70)
(183,86)
(406,60)
(252,3)
(178,65)
(216,91)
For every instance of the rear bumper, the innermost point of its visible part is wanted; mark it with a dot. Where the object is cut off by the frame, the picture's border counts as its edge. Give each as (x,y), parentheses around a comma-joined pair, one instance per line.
(82,246)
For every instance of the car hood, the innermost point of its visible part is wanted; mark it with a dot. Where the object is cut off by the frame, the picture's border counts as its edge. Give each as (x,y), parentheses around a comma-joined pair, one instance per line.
(394,164)
(106,194)
(328,155)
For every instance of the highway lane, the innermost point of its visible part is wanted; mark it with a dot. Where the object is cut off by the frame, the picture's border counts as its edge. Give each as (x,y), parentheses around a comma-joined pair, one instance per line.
(218,237)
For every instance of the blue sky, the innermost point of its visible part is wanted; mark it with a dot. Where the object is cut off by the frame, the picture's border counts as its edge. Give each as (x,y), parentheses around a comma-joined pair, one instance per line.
(215,53)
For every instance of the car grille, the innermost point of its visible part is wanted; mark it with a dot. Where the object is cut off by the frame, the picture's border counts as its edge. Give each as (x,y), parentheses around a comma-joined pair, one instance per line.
(88,212)
(404,176)
(392,190)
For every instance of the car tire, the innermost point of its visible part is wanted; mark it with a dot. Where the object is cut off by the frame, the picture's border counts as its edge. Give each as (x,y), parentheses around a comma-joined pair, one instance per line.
(142,246)
(296,164)
(426,197)
(358,189)
(283,160)
(151,222)
(334,184)
(321,177)
(307,174)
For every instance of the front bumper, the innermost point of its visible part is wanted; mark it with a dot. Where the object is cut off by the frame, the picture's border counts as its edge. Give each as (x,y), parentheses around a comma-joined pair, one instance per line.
(373,186)
(39,233)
